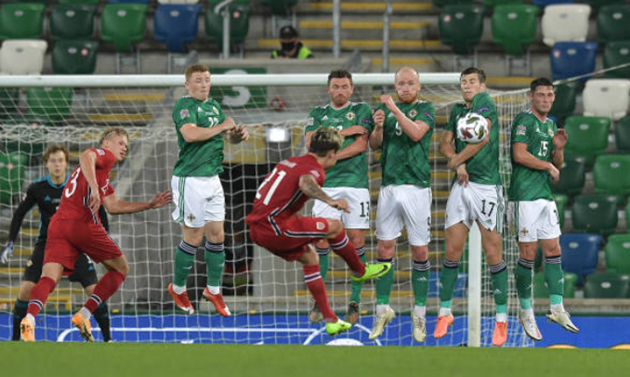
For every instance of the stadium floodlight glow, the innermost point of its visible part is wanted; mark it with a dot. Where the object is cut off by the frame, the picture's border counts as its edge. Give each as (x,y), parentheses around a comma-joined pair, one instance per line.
(277,135)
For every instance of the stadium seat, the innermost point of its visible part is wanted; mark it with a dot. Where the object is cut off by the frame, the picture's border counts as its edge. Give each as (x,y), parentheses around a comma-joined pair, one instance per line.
(612,174)
(74,57)
(622,135)
(22,57)
(580,253)
(239,25)
(72,21)
(94,2)
(123,24)
(618,253)
(564,104)
(11,176)
(541,290)
(21,20)
(561,203)
(176,25)
(461,27)
(570,59)
(595,213)
(565,23)
(572,176)
(615,54)
(607,285)
(588,136)
(602,3)
(544,3)
(49,103)
(514,27)
(606,97)
(280,7)
(612,23)
(494,3)
(9,99)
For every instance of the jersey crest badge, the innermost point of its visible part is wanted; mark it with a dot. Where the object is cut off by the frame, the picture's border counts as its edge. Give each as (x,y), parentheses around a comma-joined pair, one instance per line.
(184,114)
(320,225)
(413,113)
(350,116)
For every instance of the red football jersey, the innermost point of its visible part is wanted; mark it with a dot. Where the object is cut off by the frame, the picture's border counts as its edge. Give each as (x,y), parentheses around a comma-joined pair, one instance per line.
(279,196)
(76,194)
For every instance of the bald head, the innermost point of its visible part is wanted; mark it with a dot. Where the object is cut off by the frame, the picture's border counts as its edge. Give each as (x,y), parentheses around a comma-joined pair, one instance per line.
(407,84)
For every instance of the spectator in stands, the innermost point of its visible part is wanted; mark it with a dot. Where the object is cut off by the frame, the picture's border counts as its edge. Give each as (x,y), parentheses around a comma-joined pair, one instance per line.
(292,48)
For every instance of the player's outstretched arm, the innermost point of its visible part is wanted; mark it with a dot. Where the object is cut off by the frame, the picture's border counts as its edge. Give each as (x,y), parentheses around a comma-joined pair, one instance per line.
(446,144)
(87,161)
(116,206)
(469,151)
(311,188)
(191,133)
(523,157)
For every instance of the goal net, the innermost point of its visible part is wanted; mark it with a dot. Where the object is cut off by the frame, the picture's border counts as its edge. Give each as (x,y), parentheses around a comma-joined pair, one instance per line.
(267,295)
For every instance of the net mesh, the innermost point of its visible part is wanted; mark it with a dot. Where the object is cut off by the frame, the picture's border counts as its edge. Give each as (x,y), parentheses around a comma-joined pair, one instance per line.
(266,294)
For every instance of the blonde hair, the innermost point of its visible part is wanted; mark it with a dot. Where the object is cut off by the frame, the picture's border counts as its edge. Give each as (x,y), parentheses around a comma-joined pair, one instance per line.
(195,68)
(324,140)
(111,132)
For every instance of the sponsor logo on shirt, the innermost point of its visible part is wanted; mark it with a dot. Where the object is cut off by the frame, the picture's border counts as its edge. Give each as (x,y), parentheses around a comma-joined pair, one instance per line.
(100,151)
(521,130)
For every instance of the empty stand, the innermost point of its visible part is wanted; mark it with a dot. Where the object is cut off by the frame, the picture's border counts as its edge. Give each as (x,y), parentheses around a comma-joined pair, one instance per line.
(595,213)
(622,135)
(580,253)
(613,23)
(571,59)
(461,27)
(607,285)
(588,136)
(21,20)
(514,28)
(72,57)
(72,21)
(564,103)
(612,174)
(615,54)
(606,97)
(22,57)
(572,175)
(617,252)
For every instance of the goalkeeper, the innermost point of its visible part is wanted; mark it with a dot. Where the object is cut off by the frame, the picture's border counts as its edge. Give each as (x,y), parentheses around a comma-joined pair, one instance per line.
(201,127)
(403,131)
(45,192)
(348,179)
(476,196)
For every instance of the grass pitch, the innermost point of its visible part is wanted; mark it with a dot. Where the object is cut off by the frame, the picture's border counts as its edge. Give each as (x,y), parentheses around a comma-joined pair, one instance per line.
(173,360)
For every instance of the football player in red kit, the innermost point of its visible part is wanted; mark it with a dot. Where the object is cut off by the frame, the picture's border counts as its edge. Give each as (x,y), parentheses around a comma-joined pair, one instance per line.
(274,224)
(75,228)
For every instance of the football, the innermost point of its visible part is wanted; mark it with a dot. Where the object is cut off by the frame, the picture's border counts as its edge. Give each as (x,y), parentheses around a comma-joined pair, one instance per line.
(472,128)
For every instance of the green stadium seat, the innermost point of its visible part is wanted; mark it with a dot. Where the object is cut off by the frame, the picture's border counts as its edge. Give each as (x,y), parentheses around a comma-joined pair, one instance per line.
(72,21)
(617,53)
(564,104)
(74,57)
(588,136)
(612,23)
(461,27)
(79,2)
(28,141)
(541,290)
(280,7)
(514,27)
(572,175)
(11,176)
(123,24)
(49,103)
(561,204)
(602,3)
(618,253)
(9,98)
(622,135)
(596,213)
(21,20)
(612,174)
(494,3)
(239,25)
(607,285)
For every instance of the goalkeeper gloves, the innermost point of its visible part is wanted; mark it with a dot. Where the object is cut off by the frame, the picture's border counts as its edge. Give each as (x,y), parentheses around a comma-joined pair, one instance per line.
(7,253)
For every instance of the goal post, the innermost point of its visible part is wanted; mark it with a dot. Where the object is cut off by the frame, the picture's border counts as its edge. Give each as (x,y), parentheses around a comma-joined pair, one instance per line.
(267,294)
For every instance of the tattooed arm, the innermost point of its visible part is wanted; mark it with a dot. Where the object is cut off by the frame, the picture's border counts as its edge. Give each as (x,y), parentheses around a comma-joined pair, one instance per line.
(310,188)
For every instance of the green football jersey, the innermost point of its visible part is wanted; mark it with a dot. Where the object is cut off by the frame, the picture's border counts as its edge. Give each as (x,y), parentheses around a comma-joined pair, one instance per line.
(404,161)
(353,171)
(531,184)
(483,168)
(199,158)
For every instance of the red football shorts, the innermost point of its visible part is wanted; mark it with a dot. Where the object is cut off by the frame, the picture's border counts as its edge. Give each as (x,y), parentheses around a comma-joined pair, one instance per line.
(295,234)
(68,239)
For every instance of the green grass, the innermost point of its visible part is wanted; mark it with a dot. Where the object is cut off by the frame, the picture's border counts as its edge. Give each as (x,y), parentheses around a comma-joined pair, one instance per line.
(174,360)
